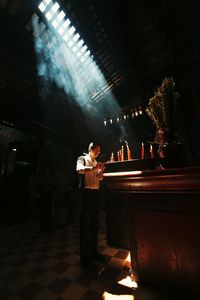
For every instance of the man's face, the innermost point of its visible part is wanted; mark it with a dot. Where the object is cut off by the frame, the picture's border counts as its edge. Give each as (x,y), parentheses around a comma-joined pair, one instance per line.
(95,152)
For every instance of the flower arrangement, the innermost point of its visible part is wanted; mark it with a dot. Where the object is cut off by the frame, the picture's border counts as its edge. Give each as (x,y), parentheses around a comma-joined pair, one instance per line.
(162,106)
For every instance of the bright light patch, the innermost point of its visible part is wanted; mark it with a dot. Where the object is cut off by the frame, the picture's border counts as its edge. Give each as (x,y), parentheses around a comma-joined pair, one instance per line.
(47,2)
(76,37)
(87,53)
(71,30)
(108,87)
(55,7)
(82,59)
(70,43)
(55,24)
(61,15)
(66,37)
(79,54)
(80,43)
(105,86)
(128,258)
(48,15)
(129,282)
(42,7)
(84,48)
(61,30)
(75,49)
(128,173)
(66,23)
(108,296)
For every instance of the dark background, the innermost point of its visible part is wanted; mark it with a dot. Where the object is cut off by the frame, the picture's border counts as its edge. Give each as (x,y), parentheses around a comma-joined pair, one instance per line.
(145,41)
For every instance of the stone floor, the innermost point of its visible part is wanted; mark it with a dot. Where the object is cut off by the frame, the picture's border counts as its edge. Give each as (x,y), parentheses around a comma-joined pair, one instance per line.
(38,264)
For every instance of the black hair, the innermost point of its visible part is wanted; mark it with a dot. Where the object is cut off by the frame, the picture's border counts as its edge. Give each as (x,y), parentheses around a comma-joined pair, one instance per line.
(92,146)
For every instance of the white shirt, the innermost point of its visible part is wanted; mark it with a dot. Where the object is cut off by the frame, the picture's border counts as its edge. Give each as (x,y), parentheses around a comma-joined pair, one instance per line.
(85,165)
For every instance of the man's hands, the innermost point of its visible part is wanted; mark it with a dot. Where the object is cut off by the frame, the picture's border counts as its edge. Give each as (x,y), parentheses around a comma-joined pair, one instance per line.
(100,167)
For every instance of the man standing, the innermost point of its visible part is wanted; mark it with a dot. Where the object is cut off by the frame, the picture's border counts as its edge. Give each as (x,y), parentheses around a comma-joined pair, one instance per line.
(91,172)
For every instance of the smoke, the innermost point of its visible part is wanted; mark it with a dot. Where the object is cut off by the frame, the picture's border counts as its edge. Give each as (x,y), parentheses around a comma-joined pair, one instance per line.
(58,63)
(123,136)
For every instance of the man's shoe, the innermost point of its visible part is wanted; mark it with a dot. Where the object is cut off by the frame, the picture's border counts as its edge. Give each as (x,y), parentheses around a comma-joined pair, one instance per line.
(90,266)
(99,257)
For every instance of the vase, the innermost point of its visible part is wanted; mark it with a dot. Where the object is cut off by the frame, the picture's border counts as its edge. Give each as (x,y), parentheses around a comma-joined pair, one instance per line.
(161,137)
(170,151)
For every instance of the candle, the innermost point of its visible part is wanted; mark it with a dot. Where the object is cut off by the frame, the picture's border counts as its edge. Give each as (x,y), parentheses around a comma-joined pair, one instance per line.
(142,151)
(122,153)
(128,152)
(151,151)
(112,157)
(118,155)
(129,155)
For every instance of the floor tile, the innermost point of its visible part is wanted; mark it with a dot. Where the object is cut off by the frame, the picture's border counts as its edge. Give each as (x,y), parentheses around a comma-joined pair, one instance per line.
(30,291)
(60,267)
(73,272)
(45,294)
(20,283)
(74,291)
(37,271)
(59,285)
(91,295)
(47,278)
(45,265)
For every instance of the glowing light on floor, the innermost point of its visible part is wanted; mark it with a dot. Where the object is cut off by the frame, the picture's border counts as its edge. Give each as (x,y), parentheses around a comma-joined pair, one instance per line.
(128,258)
(108,296)
(129,282)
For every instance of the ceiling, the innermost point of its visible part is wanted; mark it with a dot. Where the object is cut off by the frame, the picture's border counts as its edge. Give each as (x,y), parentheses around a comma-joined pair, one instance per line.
(136,43)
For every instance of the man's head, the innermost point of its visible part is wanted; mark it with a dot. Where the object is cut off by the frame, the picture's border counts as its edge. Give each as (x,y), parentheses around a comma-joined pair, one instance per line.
(94,150)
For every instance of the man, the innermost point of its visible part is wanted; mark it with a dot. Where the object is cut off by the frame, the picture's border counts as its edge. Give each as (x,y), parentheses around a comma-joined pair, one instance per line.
(91,172)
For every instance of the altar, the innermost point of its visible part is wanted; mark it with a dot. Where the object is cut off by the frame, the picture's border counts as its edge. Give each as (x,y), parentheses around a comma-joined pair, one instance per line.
(155,214)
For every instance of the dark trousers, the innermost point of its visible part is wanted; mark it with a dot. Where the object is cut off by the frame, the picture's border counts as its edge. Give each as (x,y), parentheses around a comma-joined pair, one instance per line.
(89,224)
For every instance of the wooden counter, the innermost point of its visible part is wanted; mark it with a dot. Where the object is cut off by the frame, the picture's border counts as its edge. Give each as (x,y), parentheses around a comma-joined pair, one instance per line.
(156,215)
